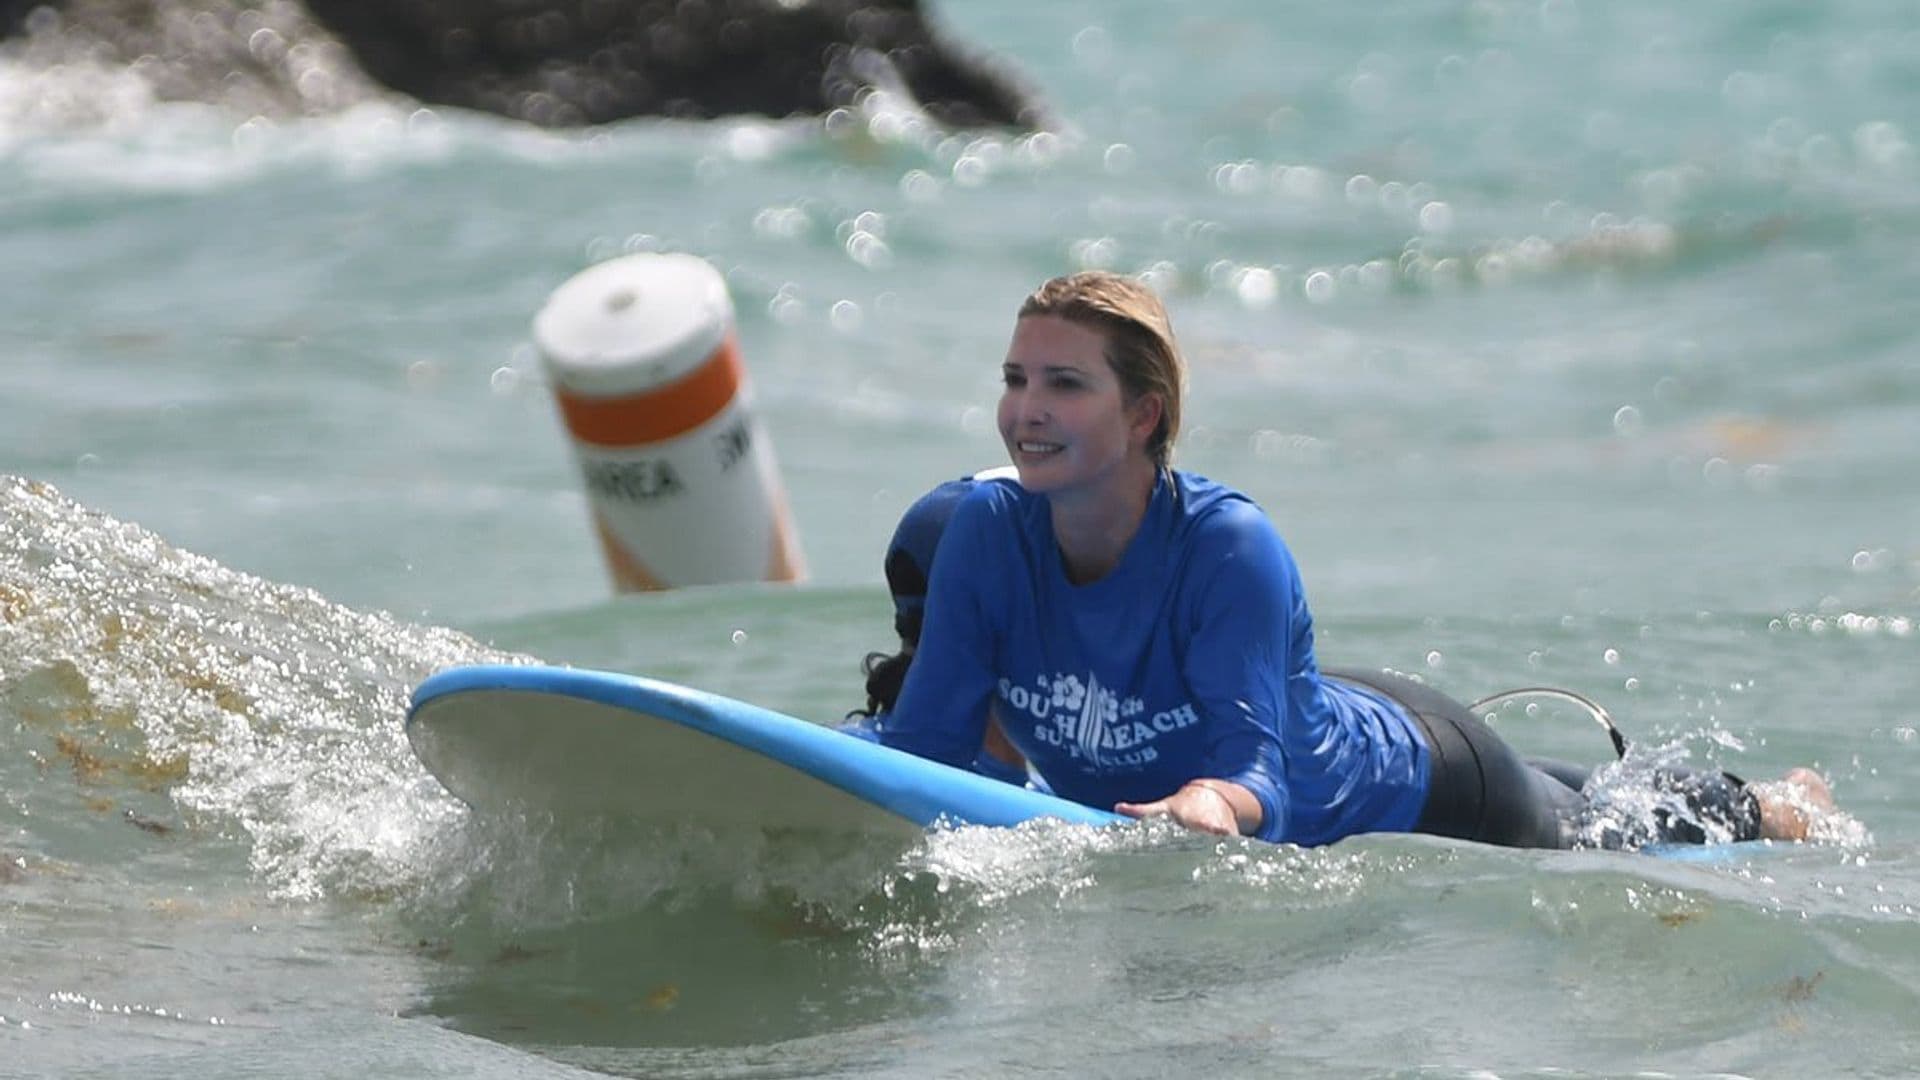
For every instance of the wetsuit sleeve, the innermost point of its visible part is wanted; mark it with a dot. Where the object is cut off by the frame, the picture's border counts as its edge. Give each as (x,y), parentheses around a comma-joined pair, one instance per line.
(942,710)
(1242,617)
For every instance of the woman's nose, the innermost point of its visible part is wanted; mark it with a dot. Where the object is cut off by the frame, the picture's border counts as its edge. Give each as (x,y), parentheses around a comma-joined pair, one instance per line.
(1031,408)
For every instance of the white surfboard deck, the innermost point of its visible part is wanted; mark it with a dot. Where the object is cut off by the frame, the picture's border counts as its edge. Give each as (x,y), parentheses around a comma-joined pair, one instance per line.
(575,742)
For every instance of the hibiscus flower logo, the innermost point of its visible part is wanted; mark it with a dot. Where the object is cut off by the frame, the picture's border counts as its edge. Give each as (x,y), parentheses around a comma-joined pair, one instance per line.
(1068,693)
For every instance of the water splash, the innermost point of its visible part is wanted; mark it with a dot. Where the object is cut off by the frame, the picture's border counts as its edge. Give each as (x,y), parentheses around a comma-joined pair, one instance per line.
(251,703)
(1634,802)
(94,66)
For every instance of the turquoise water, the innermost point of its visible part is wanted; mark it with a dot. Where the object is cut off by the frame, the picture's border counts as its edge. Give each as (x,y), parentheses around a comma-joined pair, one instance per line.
(1566,343)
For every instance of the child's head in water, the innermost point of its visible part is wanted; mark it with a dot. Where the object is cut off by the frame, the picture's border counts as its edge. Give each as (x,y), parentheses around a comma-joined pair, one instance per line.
(910,553)
(909,567)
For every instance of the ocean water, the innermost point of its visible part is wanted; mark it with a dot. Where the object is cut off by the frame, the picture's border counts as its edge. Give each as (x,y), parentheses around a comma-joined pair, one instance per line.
(1567,343)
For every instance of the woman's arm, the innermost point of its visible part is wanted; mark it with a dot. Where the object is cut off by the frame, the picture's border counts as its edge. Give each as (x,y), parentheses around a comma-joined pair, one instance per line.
(1245,618)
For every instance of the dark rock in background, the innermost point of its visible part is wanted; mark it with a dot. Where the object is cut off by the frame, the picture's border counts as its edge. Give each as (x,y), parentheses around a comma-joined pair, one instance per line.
(548,62)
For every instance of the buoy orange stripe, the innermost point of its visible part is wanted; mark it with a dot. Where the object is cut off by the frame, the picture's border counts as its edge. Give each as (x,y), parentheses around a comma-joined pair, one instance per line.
(629,573)
(659,414)
(786,563)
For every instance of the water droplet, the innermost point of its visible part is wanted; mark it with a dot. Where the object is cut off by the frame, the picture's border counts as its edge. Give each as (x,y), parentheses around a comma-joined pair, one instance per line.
(970,171)
(1257,287)
(602,248)
(1319,287)
(1627,421)
(1369,91)
(1092,45)
(1301,182)
(786,308)
(751,142)
(1099,253)
(1611,656)
(845,316)
(1434,659)
(869,250)
(919,186)
(739,637)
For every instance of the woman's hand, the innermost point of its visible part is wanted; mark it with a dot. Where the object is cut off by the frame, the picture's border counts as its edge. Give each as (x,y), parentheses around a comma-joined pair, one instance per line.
(1209,806)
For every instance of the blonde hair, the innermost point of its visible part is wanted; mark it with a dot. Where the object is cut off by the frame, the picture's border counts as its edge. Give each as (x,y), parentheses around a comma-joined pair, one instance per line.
(1140,345)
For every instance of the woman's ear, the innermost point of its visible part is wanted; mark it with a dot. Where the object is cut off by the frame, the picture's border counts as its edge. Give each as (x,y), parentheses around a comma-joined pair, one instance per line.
(1144,415)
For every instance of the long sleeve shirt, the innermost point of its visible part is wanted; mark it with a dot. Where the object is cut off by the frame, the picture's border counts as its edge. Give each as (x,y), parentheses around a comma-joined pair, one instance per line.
(1192,658)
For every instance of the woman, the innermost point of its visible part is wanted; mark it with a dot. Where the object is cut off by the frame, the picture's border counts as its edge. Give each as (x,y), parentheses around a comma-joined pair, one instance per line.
(1141,636)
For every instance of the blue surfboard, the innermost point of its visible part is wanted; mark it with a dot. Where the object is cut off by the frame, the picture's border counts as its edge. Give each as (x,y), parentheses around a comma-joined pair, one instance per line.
(577,742)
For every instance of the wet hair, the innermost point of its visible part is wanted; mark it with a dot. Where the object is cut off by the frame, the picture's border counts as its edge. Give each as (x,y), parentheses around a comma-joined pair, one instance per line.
(886,673)
(1140,343)
(907,580)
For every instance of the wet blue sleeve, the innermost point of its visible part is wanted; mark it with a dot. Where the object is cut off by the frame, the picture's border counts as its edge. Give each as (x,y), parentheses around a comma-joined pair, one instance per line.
(942,710)
(1241,617)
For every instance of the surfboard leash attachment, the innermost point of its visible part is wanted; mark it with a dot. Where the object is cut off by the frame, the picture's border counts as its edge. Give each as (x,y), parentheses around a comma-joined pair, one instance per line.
(1594,709)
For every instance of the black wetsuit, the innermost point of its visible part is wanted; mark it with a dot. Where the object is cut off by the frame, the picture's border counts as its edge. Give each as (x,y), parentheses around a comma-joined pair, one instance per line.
(1481,790)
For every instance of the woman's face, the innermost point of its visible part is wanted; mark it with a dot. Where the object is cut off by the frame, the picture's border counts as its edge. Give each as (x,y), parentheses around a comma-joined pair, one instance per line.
(1064,417)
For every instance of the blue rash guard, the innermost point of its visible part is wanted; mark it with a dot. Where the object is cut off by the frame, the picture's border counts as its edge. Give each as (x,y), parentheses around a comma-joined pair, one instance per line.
(1191,658)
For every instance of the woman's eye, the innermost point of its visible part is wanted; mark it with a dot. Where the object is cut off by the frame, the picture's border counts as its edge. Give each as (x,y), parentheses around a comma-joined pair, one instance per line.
(1013,378)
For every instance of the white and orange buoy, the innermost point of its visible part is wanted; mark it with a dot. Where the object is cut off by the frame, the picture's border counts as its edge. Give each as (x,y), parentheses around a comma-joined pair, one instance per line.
(646,368)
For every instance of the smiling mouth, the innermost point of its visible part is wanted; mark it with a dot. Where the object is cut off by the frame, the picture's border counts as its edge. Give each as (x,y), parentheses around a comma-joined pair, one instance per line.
(1038,448)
